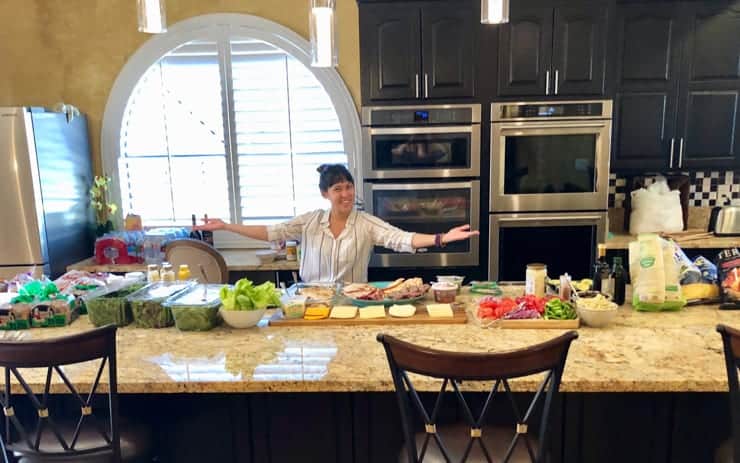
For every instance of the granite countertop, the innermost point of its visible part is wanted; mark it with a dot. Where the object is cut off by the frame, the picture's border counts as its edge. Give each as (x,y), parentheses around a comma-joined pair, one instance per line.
(236,260)
(640,352)
(622,240)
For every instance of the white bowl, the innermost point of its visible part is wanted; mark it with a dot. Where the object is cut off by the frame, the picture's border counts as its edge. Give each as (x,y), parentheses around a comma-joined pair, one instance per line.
(241,318)
(596,318)
(266,255)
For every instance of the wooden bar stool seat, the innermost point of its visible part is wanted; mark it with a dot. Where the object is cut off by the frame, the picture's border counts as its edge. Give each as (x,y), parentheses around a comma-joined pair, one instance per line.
(473,440)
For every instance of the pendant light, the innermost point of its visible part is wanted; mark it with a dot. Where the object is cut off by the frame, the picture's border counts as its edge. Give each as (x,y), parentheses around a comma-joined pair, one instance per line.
(494,11)
(322,25)
(152,16)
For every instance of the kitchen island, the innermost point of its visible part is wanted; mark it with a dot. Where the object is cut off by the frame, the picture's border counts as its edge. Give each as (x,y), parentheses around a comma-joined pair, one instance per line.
(657,377)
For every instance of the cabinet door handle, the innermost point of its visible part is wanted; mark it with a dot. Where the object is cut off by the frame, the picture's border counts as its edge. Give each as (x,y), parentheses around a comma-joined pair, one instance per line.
(556,80)
(426,85)
(547,82)
(416,84)
(680,152)
(673,144)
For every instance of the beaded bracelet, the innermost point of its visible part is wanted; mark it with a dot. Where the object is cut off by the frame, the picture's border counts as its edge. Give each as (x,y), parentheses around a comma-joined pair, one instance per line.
(438,240)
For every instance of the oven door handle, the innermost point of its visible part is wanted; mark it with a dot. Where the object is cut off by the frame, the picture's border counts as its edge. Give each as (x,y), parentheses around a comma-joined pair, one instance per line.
(417,130)
(552,124)
(420,186)
(559,218)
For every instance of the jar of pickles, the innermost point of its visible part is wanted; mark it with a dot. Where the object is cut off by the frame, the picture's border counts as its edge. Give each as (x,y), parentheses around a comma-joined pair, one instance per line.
(152,273)
(167,273)
(536,276)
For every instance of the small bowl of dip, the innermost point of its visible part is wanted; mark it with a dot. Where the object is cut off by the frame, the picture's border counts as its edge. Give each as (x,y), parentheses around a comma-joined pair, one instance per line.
(444,292)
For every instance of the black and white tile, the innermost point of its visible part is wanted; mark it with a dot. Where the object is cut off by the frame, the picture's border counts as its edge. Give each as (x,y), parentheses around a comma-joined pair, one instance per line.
(707,189)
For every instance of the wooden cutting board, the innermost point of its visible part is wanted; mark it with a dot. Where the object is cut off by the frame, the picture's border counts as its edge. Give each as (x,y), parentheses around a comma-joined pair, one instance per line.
(421,317)
(538,324)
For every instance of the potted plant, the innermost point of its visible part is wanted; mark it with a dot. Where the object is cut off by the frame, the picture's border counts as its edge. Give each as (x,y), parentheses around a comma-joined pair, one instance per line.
(100,204)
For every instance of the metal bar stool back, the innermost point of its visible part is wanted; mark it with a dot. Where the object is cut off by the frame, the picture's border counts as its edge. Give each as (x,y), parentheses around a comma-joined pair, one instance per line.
(45,437)
(731,344)
(454,368)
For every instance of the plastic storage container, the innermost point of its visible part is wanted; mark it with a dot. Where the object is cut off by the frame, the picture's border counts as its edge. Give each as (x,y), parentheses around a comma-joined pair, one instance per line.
(196,308)
(146,303)
(108,304)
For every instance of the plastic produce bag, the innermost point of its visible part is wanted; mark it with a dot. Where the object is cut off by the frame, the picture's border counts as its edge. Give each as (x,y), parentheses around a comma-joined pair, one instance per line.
(689,272)
(707,268)
(656,209)
(655,272)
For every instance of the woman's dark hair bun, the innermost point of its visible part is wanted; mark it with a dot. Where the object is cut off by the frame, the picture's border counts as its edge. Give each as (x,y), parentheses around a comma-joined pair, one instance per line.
(329,174)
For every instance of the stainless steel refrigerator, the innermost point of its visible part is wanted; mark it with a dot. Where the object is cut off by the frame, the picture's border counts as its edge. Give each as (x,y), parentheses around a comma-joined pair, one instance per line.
(45,176)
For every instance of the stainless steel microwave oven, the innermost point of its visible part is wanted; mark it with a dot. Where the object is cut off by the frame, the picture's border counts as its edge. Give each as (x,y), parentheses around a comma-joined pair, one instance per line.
(431,141)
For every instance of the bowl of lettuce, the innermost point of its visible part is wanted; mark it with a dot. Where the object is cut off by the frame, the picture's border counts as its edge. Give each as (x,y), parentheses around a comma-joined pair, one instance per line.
(244,305)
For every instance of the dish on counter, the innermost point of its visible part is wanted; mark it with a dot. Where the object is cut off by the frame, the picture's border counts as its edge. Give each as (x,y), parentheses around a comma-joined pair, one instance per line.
(400,291)
(314,292)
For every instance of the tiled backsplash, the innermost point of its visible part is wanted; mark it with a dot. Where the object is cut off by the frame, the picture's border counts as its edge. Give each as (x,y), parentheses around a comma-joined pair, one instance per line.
(708,188)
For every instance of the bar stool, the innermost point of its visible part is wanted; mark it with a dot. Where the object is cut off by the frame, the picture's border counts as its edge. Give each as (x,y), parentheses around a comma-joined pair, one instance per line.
(729,451)
(47,437)
(462,442)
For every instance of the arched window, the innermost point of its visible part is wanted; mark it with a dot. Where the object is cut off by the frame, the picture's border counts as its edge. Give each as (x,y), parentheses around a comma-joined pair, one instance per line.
(223,116)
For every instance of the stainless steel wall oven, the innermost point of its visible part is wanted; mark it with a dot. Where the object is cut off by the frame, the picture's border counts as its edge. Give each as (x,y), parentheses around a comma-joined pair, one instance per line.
(550,156)
(549,186)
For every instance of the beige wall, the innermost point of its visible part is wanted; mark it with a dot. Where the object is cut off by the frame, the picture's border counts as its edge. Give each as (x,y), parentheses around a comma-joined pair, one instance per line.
(72,50)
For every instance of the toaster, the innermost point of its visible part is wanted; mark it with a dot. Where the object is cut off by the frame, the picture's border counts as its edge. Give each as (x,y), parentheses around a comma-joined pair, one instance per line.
(725,221)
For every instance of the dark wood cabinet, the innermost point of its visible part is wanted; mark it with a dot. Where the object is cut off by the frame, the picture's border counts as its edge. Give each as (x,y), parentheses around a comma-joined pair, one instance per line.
(525,52)
(412,51)
(579,49)
(648,64)
(709,102)
(389,47)
(447,51)
(678,87)
(553,51)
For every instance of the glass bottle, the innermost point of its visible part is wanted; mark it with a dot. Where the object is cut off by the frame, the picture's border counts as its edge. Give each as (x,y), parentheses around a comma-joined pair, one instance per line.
(618,277)
(183,273)
(167,274)
(601,271)
(152,273)
(536,275)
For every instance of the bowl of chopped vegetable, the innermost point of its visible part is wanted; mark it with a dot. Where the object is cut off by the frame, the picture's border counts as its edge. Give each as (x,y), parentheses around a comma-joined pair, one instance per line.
(596,311)
(242,318)
(244,305)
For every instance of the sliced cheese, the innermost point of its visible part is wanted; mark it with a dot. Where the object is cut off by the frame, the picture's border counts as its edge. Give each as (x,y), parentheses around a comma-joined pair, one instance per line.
(372,311)
(439,310)
(343,311)
(403,311)
(316,312)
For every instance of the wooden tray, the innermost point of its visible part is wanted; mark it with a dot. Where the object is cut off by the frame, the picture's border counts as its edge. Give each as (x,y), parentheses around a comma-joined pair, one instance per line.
(421,317)
(537,324)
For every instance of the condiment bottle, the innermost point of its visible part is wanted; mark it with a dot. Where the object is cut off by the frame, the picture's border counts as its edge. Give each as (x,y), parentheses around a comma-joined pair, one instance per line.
(536,275)
(601,271)
(183,273)
(619,281)
(291,250)
(152,273)
(565,287)
(167,274)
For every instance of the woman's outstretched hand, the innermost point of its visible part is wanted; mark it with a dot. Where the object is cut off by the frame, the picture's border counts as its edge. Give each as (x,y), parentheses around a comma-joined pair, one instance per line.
(463,232)
(211,224)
